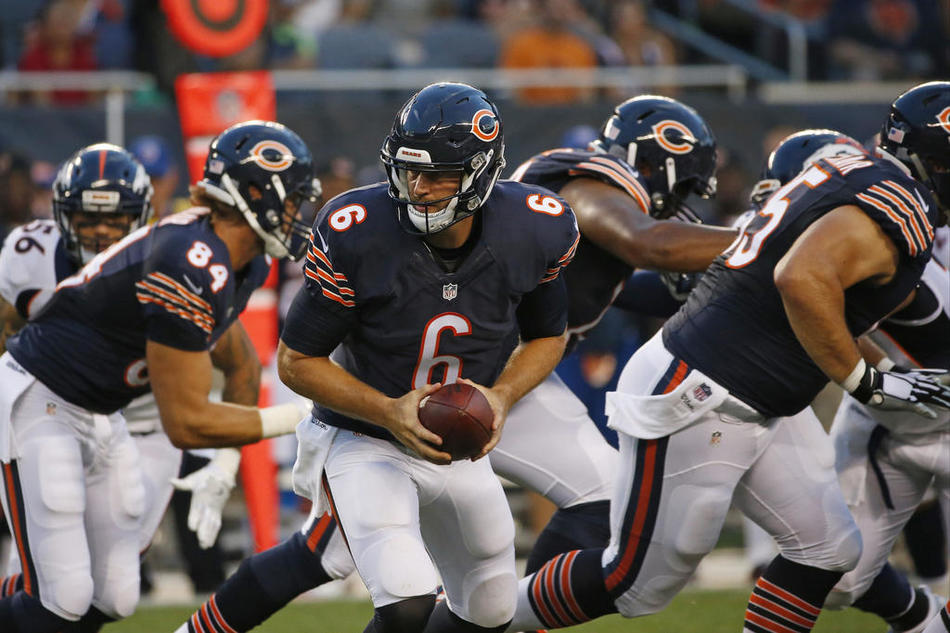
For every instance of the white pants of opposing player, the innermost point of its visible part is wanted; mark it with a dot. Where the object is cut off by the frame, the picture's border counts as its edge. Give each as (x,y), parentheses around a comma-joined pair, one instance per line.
(909,463)
(673,493)
(408,521)
(73,498)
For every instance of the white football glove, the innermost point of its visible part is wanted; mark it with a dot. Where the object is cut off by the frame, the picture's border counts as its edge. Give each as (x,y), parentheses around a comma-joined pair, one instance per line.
(917,390)
(210,488)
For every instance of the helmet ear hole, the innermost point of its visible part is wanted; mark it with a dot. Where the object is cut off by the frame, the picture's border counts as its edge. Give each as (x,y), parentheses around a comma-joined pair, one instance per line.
(254,192)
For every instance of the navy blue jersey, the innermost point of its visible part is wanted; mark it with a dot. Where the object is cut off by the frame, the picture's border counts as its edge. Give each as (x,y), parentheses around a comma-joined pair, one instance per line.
(404,321)
(595,276)
(171,283)
(733,326)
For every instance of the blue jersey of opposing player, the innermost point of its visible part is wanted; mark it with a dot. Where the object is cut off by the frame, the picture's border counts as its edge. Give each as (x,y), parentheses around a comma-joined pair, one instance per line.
(733,326)
(402,319)
(596,276)
(171,283)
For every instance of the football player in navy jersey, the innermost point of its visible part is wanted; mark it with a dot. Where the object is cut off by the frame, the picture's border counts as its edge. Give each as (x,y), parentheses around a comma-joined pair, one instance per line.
(699,409)
(621,221)
(39,255)
(883,481)
(411,284)
(140,315)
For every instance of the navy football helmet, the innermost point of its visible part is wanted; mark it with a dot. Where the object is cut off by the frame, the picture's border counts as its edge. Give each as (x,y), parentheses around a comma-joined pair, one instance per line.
(266,171)
(99,184)
(445,127)
(794,153)
(668,143)
(917,133)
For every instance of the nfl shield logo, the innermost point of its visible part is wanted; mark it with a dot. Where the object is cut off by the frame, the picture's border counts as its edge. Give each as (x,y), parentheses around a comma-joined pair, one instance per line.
(450,291)
(702,392)
(715,439)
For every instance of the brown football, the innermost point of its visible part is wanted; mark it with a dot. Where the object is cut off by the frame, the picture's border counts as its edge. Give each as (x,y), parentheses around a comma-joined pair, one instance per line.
(461,416)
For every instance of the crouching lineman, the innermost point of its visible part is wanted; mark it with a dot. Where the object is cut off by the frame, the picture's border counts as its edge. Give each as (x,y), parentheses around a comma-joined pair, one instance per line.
(887,459)
(37,256)
(699,408)
(139,316)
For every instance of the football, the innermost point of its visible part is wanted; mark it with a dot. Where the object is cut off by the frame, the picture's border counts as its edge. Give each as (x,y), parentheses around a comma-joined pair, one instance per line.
(461,416)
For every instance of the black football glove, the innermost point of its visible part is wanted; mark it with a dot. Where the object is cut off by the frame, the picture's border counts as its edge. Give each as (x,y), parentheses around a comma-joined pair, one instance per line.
(917,390)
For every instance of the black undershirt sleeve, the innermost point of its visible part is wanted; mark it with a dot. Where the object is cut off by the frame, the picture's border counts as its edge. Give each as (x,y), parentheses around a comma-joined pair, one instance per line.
(314,328)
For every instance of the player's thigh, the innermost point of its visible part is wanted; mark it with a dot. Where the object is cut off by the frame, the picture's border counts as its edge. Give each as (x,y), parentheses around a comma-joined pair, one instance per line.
(670,502)
(550,445)
(467,526)
(792,492)
(160,462)
(114,515)
(44,499)
(371,489)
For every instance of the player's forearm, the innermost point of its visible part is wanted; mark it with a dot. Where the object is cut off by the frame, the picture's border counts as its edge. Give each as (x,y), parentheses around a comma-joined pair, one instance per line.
(528,366)
(323,381)
(677,246)
(814,304)
(241,368)
(871,351)
(210,424)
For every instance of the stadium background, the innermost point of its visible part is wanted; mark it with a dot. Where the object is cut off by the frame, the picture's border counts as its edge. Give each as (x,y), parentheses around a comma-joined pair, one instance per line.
(754,69)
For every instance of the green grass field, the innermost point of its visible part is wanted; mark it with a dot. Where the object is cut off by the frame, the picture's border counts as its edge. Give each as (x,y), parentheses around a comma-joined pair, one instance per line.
(691,612)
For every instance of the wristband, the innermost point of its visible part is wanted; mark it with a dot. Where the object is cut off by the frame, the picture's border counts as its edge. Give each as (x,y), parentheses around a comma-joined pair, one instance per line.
(228,460)
(853,381)
(281,419)
(885,364)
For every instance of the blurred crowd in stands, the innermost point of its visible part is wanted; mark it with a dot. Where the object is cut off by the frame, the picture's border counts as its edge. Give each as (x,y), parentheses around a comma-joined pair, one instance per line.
(848,39)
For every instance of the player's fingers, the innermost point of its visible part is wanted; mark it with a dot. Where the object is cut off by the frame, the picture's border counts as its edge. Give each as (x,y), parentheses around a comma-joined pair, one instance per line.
(924,410)
(194,516)
(181,483)
(433,455)
(425,435)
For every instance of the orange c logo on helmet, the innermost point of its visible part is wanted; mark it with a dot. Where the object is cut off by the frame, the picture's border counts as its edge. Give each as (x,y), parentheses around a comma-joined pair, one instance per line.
(282,161)
(944,119)
(480,125)
(684,146)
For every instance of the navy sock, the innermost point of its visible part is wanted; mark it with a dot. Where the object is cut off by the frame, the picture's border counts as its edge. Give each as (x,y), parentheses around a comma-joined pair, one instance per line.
(569,589)
(889,596)
(443,620)
(405,616)
(584,526)
(266,582)
(22,613)
(788,596)
(92,622)
(924,536)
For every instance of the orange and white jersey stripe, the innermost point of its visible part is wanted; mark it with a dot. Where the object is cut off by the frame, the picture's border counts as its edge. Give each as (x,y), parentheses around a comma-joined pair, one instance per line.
(162,290)
(333,285)
(905,210)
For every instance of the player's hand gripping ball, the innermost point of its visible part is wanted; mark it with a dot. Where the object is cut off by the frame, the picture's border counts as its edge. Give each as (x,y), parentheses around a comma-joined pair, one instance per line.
(461,416)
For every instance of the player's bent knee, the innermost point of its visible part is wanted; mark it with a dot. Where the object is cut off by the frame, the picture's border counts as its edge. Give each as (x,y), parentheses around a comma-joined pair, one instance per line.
(840,599)
(400,574)
(69,596)
(841,554)
(120,596)
(492,602)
